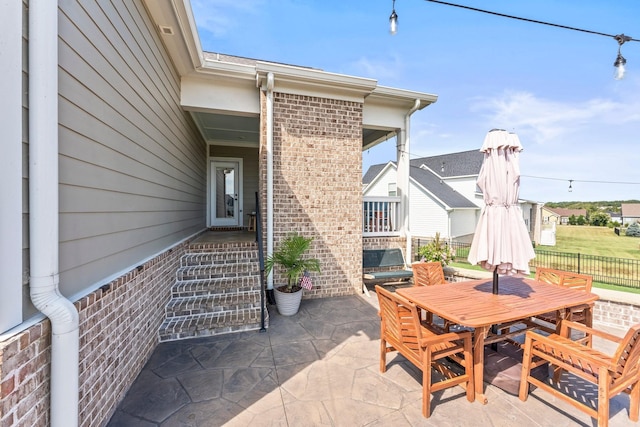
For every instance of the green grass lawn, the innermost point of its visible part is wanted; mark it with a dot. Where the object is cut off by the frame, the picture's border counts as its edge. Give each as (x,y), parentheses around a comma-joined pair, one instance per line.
(599,241)
(586,240)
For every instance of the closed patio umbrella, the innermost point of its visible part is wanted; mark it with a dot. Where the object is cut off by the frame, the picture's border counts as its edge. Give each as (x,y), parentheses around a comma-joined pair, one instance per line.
(501,242)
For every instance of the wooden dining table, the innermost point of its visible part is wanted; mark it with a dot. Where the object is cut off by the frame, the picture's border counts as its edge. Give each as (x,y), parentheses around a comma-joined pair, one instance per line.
(473,304)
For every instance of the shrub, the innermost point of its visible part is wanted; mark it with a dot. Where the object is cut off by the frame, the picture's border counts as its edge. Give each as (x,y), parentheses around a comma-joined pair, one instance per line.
(633,230)
(436,250)
(600,219)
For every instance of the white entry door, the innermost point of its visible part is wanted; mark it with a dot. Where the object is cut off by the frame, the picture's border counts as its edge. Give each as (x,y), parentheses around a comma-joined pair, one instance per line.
(225,193)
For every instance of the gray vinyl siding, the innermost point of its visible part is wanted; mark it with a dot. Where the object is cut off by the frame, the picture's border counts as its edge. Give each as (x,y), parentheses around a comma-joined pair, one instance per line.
(132,167)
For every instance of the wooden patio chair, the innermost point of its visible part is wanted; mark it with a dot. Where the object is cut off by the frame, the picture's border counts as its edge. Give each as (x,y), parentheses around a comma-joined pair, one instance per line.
(401,331)
(611,374)
(429,274)
(582,313)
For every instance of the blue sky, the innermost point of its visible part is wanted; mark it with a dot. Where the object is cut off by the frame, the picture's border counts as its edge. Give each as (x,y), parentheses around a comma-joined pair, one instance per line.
(553,87)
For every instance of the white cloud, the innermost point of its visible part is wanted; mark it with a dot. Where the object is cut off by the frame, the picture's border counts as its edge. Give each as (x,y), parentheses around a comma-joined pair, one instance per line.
(383,69)
(220,17)
(544,120)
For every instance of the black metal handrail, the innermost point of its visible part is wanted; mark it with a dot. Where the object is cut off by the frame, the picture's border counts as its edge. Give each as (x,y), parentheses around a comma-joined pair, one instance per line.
(261,262)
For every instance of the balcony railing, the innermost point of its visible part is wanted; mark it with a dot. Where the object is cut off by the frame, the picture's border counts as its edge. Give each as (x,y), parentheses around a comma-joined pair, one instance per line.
(381,216)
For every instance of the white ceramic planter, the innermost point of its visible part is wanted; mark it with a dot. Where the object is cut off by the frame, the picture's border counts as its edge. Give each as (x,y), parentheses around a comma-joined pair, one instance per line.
(287,303)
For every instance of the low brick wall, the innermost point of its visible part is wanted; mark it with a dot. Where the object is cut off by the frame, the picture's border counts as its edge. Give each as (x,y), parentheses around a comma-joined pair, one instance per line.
(118,332)
(616,314)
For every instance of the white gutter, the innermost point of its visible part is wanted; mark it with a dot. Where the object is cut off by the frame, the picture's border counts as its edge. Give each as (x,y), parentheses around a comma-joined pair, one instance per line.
(43,212)
(270,83)
(406,178)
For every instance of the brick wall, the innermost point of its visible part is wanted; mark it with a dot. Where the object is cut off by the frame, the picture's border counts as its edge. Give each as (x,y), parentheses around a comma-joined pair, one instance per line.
(118,331)
(317,185)
(616,314)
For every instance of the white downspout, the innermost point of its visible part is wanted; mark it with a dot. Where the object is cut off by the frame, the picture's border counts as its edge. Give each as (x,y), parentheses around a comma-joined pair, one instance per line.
(406,178)
(270,83)
(43,212)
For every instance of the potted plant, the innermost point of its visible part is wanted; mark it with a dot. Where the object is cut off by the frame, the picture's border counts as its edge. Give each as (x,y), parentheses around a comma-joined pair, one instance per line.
(290,257)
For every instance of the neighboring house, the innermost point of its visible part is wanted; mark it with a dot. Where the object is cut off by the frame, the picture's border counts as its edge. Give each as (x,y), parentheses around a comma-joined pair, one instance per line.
(443,192)
(561,215)
(132,142)
(440,202)
(630,213)
(615,217)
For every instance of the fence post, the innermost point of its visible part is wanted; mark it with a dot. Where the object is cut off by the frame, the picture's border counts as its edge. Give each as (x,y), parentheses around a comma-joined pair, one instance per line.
(578,262)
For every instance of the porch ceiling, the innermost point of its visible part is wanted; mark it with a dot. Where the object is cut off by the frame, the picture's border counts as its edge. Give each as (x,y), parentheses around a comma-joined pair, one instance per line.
(226,129)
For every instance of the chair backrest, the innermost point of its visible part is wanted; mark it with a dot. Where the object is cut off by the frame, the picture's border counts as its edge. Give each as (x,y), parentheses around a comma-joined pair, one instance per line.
(400,324)
(627,356)
(567,279)
(428,274)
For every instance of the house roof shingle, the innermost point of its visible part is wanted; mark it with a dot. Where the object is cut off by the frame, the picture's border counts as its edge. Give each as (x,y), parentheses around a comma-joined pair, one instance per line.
(464,163)
(441,190)
(630,210)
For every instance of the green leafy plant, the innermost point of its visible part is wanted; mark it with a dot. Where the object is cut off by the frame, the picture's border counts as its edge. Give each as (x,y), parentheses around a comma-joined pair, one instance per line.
(290,257)
(436,250)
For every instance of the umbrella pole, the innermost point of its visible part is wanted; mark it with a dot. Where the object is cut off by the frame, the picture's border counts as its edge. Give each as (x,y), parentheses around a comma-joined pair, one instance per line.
(494,328)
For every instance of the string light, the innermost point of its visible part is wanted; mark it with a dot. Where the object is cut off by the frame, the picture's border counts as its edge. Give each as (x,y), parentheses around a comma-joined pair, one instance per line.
(393,20)
(416,156)
(582,180)
(619,63)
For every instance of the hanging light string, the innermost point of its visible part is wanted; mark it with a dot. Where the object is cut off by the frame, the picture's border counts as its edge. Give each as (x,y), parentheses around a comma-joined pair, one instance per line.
(414,156)
(582,180)
(534,21)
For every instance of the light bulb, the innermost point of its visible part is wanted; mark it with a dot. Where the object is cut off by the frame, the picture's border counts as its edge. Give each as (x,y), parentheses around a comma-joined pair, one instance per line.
(618,72)
(619,67)
(393,23)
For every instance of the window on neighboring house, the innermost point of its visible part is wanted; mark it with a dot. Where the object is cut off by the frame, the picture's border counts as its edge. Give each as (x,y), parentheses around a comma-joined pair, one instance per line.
(393,191)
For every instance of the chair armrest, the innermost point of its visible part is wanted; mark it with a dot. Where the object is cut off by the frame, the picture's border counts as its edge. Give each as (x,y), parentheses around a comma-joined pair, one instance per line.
(580,353)
(566,325)
(444,338)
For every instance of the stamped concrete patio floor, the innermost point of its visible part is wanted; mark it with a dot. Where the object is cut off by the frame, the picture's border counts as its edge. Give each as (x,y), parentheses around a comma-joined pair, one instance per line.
(318,368)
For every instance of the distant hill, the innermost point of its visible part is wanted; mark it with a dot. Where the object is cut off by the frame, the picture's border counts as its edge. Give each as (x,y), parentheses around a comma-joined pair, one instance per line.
(607,206)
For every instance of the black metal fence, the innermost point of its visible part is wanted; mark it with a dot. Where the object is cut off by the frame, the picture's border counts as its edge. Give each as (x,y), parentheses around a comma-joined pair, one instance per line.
(614,271)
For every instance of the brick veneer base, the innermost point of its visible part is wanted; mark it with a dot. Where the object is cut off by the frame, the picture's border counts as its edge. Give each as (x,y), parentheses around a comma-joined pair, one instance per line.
(616,314)
(118,332)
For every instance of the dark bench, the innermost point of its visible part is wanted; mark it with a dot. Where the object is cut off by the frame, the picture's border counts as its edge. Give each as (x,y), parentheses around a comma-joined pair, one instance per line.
(390,261)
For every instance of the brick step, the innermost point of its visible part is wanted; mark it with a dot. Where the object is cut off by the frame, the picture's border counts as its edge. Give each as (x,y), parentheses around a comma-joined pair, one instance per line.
(217,291)
(218,303)
(205,287)
(225,257)
(210,324)
(231,270)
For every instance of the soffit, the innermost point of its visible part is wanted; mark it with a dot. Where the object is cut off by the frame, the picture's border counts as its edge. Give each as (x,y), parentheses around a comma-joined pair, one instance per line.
(238,123)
